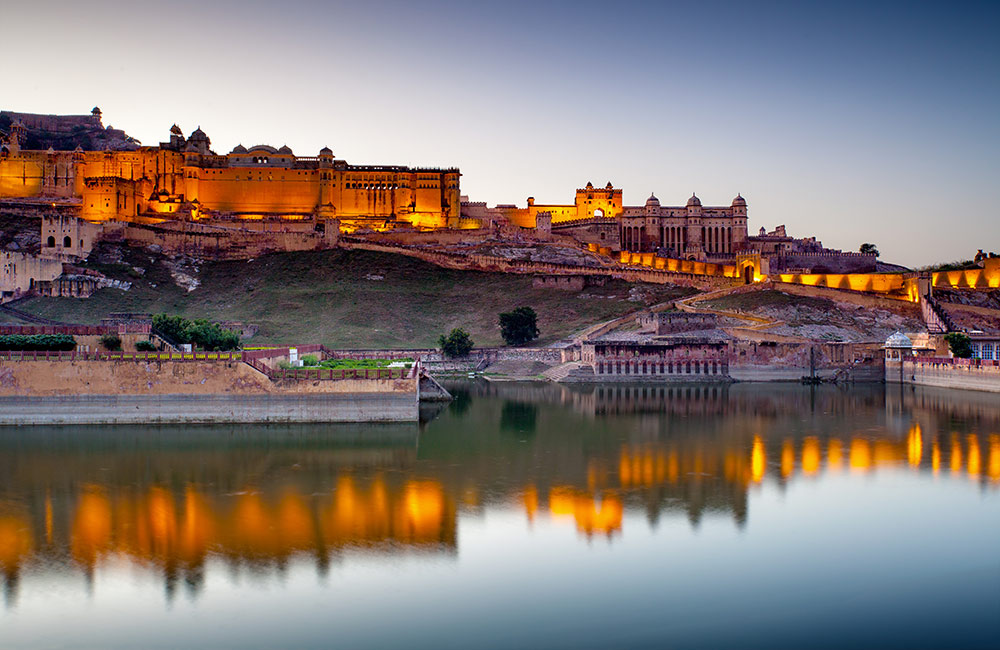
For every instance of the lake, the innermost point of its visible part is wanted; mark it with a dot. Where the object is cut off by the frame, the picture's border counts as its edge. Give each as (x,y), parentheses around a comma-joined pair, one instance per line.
(519,515)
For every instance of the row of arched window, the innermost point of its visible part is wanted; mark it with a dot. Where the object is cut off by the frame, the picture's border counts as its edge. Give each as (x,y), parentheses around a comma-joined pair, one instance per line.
(715,239)
(695,367)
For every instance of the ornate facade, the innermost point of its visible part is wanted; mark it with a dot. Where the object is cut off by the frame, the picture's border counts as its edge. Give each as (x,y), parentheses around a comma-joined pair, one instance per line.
(184,179)
(597,216)
(691,231)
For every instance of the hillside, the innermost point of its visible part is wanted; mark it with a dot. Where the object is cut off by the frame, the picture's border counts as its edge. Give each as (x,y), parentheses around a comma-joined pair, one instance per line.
(342,298)
(832,318)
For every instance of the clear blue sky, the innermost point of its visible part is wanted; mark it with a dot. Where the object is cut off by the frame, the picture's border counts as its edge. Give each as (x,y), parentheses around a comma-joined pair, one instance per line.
(851,122)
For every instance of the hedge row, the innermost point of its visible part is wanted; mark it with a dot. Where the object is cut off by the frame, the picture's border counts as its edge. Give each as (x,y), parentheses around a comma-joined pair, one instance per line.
(40,342)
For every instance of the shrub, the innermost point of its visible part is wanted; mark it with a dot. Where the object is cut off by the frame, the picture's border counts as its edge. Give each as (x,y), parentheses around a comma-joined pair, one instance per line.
(111,342)
(310,360)
(145,346)
(39,342)
(458,343)
(519,326)
(200,332)
(960,345)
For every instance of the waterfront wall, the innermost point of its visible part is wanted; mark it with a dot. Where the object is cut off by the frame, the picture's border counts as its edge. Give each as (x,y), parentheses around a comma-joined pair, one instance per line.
(36,392)
(208,408)
(968,374)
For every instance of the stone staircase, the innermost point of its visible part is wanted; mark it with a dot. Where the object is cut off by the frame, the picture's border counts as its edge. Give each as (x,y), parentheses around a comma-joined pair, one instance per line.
(569,372)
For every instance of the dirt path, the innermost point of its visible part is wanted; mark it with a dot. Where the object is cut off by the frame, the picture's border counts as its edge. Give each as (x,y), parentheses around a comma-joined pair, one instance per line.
(757,323)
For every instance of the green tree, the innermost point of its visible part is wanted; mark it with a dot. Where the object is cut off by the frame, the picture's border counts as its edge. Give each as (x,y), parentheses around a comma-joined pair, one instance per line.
(111,342)
(145,346)
(519,326)
(458,343)
(960,344)
(172,327)
(200,332)
(869,249)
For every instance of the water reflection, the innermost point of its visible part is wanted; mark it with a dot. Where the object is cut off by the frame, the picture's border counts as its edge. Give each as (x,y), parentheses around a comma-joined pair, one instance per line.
(171,499)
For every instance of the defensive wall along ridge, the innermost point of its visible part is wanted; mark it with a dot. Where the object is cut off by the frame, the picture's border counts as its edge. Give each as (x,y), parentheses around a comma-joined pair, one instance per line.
(140,390)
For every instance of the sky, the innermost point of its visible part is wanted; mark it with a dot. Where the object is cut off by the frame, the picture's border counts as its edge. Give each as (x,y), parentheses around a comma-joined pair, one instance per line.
(851,122)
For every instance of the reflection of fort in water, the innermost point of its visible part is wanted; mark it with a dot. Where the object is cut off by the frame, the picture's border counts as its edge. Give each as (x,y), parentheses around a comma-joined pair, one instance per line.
(585,457)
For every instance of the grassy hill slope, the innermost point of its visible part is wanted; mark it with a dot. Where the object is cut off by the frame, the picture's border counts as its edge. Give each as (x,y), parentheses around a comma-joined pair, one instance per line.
(334,297)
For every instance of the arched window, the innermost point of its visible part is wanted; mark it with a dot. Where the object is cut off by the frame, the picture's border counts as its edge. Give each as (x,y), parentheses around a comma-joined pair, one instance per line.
(67,242)
(51,242)
(598,213)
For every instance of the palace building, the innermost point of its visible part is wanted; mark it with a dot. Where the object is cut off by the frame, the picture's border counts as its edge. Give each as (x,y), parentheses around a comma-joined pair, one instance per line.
(597,216)
(184,179)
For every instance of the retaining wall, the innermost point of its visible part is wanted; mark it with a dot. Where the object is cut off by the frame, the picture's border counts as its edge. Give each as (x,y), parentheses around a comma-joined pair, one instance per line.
(39,392)
(947,373)
(208,408)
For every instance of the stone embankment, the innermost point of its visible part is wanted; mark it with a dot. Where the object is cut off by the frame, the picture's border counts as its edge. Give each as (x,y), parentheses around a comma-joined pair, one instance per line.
(966,374)
(139,391)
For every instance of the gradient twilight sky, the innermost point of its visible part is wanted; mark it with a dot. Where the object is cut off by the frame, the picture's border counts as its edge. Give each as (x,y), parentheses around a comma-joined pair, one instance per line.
(852,122)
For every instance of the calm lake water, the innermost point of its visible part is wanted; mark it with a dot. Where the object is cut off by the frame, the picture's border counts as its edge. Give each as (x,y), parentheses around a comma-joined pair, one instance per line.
(770,516)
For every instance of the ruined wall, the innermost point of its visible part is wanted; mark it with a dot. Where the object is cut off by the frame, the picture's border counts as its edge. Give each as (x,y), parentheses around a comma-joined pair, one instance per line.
(20,272)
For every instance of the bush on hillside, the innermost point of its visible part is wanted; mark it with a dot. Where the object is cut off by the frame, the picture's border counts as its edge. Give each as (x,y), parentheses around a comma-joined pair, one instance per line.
(310,360)
(111,342)
(145,346)
(39,342)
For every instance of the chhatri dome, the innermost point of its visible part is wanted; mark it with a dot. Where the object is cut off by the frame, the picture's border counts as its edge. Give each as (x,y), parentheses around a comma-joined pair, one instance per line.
(898,340)
(652,201)
(694,201)
(739,200)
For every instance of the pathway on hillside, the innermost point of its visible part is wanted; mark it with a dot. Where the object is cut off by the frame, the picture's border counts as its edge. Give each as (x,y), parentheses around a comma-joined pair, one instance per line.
(758,323)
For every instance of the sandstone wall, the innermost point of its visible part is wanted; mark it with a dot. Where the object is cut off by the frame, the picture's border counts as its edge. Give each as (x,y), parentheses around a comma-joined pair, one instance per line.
(200,409)
(35,378)
(984,376)
(35,392)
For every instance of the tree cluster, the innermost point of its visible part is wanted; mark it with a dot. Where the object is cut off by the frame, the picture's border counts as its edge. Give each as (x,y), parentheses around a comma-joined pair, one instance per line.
(457,343)
(960,345)
(519,326)
(199,332)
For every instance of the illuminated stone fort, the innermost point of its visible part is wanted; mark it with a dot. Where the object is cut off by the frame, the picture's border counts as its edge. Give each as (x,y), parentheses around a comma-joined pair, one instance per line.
(183,179)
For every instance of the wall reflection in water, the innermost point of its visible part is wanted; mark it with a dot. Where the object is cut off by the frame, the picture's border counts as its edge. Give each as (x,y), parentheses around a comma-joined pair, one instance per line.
(172,499)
